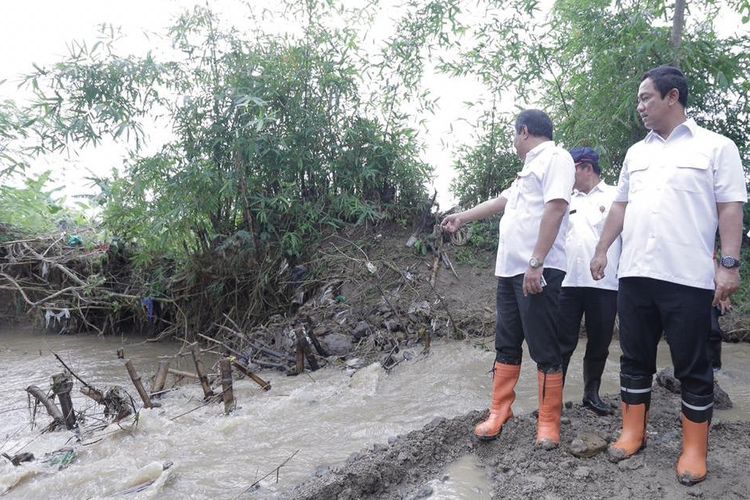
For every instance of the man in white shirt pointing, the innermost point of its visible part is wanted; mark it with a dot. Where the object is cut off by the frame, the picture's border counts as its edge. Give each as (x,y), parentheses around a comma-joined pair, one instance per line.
(581,295)
(530,268)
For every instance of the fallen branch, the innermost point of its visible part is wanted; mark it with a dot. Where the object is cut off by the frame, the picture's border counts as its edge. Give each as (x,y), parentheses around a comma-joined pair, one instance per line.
(276,470)
(52,409)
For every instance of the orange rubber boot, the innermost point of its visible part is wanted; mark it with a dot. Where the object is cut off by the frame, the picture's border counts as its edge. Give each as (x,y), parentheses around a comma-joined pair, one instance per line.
(550,410)
(633,435)
(503,394)
(691,467)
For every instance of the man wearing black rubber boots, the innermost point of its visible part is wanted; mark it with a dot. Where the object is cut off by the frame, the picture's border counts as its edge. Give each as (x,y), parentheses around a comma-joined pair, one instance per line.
(581,295)
(677,186)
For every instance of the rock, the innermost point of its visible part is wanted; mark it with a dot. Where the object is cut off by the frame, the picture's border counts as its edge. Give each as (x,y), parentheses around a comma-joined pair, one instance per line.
(356,363)
(632,463)
(721,398)
(363,329)
(337,344)
(424,492)
(587,445)
(568,405)
(565,420)
(666,379)
(582,473)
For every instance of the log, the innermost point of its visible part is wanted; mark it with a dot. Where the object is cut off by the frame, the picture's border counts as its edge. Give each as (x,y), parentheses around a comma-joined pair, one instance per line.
(93,394)
(62,384)
(225,365)
(138,384)
(266,386)
(52,409)
(161,377)
(180,373)
(207,392)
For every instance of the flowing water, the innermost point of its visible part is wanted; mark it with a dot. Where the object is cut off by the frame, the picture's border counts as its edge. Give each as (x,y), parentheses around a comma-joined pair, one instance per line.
(317,419)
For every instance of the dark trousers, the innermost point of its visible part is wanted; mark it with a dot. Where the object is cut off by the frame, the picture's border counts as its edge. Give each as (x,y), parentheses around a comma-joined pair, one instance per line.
(714,339)
(532,318)
(648,307)
(600,308)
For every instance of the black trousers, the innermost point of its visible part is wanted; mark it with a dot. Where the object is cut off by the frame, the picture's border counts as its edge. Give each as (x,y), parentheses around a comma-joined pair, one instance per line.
(600,308)
(648,307)
(714,339)
(532,318)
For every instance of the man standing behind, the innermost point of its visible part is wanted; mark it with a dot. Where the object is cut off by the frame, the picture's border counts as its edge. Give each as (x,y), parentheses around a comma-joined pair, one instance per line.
(530,268)
(676,186)
(580,293)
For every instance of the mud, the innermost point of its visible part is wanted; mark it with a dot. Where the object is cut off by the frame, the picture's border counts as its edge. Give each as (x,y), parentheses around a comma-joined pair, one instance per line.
(401,468)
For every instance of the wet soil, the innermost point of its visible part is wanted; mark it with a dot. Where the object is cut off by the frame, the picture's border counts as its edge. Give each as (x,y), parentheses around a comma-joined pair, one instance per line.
(402,467)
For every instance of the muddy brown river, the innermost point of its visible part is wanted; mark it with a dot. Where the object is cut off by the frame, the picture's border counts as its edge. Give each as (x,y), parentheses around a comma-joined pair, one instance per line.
(318,419)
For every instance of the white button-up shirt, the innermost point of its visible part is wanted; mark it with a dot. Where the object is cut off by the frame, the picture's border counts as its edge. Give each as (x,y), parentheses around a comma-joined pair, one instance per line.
(587,214)
(672,187)
(548,174)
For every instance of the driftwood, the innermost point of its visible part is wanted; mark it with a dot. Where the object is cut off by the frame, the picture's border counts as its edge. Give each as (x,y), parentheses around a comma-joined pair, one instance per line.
(62,384)
(207,392)
(225,365)
(161,377)
(52,410)
(266,386)
(138,384)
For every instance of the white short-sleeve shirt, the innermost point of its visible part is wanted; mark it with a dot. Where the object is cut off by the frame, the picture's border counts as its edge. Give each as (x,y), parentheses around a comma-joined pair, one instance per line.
(671,188)
(588,211)
(548,174)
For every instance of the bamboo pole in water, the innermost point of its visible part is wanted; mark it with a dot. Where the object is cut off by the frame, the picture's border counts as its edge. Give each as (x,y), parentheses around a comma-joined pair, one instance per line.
(62,383)
(225,365)
(180,373)
(161,376)
(138,384)
(52,409)
(266,386)
(207,392)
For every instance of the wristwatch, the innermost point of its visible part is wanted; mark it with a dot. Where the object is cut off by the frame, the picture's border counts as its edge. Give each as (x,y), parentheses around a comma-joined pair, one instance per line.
(729,262)
(535,263)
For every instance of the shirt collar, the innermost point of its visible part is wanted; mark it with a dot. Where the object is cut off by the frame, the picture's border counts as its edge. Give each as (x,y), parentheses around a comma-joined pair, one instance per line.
(687,127)
(534,152)
(598,187)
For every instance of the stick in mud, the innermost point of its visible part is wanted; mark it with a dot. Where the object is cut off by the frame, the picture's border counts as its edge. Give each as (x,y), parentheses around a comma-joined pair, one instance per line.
(266,386)
(225,365)
(62,383)
(207,392)
(138,384)
(52,409)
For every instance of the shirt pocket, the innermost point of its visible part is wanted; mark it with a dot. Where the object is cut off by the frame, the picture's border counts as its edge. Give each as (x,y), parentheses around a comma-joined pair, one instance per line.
(692,174)
(638,177)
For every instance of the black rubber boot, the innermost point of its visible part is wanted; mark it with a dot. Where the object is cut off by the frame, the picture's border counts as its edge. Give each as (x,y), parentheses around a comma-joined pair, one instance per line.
(592,378)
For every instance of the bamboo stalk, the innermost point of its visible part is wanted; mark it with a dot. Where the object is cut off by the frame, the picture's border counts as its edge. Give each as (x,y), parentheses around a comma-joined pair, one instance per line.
(207,392)
(138,384)
(161,377)
(52,409)
(225,366)
(266,386)
(62,383)
(180,373)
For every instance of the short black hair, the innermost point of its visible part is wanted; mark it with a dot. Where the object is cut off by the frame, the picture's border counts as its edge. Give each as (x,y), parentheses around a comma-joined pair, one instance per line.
(536,121)
(666,78)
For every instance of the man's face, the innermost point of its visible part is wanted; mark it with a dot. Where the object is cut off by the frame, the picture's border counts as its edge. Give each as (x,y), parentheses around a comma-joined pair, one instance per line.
(652,107)
(519,142)
(581,175)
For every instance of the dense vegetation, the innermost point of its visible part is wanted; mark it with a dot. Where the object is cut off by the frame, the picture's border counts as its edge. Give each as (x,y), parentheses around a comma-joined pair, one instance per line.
(278,139)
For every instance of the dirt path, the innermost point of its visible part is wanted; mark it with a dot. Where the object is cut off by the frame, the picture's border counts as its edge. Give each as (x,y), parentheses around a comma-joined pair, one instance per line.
(402,467)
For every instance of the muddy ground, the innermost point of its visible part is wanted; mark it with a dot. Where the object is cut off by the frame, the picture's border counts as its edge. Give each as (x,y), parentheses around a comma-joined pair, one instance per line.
(401,468)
